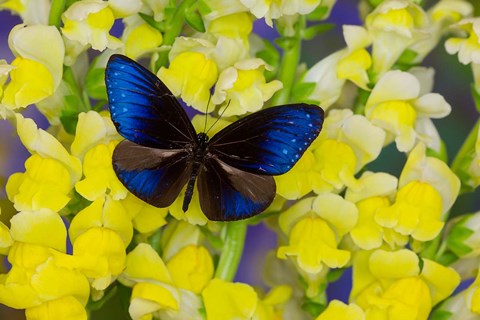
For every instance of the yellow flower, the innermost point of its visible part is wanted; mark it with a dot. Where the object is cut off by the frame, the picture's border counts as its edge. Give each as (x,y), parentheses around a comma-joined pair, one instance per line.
(37,278)
(394,26)
(92,129)
(32,12)
(356,60)
(44,184)
(315,230)
(100,179)
(145,217)
(468,48)
(125,8)
(40,43)
(420,214)
(273,304)
(400,112)
(244,88)
(5,239)
(450,11)
(139,37)
(417,212)
(30,83)
(99,253)
(298,181)
(45,145)
(389,284)
(37,68)
(103,212)
(377,191)
(225,300)
(153,288)
(337,310)
(314,244)
(275,9)
(42,227)
(88,23)
(191,268)
(340,152)
(190,75)
(442,15)
(177,235)
(63,308)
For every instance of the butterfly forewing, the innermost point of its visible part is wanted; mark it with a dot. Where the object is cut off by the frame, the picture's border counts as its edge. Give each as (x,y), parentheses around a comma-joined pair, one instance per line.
(154,175)
(270,141)
(143,109)
(227,193)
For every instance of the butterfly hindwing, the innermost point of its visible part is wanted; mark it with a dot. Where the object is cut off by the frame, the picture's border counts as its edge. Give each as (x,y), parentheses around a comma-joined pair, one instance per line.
(154,175)
(227,193)
(269,141)
(143,109)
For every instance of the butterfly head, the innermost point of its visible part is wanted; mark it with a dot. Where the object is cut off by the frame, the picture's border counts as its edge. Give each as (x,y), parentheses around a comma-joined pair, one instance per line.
(202,138)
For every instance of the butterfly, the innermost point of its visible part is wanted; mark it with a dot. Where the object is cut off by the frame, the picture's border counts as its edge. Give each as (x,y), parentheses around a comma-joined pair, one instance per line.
(162,152)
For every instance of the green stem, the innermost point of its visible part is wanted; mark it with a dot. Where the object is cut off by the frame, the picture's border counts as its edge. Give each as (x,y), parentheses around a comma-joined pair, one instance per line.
(173,30)
(288,66)
(56,11)
(467,147)
(232,250)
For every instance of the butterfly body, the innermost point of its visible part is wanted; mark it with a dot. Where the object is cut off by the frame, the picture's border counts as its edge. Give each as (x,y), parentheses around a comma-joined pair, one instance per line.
(198,154)
(232,170)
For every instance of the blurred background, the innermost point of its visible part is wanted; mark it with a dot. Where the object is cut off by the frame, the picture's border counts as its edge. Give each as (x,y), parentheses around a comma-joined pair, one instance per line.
(452,80)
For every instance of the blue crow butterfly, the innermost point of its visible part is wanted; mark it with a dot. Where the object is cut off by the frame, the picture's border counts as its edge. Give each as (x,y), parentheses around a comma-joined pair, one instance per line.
(162,152)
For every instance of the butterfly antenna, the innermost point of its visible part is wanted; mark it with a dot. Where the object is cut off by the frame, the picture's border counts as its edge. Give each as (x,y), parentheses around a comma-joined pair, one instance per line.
(206,112)
(220,116)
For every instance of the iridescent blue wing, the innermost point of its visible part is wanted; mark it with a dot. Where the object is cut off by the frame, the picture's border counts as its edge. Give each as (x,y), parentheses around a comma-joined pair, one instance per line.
(268,142)
(143,109)
(154,175)
(227,193)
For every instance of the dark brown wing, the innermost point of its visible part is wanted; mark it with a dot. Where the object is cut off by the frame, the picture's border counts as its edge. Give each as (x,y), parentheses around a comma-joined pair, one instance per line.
(154,175)
(227,193)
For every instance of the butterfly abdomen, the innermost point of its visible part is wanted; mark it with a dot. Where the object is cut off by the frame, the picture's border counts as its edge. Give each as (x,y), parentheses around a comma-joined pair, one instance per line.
(199,151)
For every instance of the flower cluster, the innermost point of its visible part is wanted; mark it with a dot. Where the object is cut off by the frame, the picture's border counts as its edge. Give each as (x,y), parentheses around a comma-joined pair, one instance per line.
(79,239)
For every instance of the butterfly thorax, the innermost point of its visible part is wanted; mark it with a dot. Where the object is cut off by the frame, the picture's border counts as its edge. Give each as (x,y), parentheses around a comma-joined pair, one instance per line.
(198,152)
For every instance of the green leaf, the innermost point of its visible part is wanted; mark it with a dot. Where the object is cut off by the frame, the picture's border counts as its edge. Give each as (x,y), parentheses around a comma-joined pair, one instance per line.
(69,120)
(313,308)
(476,96)
(160,26)
(124,293)
(302,90)
(458,248)
(441,155)
(203,7)
(420,263)
(214,240)
(335,274)
(286,43)
(96,305)
(460,233)
(375,3)
(194,19)
(319,13)
(310,32)
(405,61)
(441,315)
(269,54)
(447,258)
(95,83)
